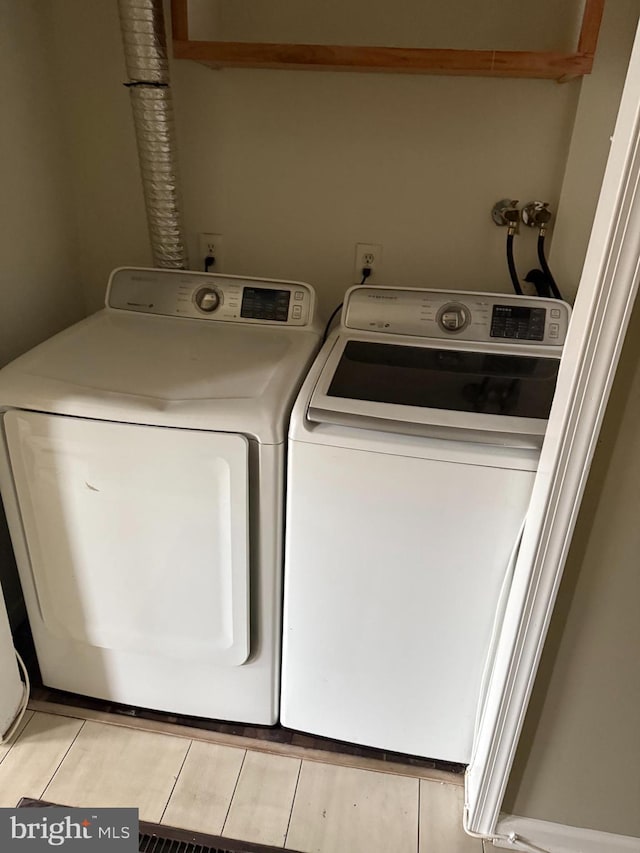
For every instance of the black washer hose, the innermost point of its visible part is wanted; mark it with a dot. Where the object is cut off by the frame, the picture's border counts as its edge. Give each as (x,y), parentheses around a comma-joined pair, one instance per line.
(512,266)
(545,268)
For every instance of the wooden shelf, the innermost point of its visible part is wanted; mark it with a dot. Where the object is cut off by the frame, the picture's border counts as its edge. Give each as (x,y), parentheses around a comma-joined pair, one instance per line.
(488,63)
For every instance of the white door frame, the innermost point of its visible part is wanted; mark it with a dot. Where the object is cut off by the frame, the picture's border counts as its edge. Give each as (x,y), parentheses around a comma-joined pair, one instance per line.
(600,318)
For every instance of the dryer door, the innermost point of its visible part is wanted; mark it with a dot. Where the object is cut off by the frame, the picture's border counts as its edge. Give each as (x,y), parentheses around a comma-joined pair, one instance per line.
(137,535)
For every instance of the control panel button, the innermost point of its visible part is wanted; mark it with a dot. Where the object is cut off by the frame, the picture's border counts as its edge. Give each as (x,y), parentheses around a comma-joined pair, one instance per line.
(298,296)
(555,313)
(554,330)
(296,312)
(207,299)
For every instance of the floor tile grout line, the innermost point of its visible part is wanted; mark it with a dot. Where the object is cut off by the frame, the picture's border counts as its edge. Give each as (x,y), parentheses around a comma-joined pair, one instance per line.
(62,760)
(235,788)
(293,802)
(175,782)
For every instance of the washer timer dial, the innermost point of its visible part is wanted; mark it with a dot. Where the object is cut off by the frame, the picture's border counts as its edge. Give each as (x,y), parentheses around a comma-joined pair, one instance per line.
(207,299)
(453,317)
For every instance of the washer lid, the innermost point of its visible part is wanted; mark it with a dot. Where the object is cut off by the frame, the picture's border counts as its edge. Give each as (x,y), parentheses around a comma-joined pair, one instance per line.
(166,371)
(468,392)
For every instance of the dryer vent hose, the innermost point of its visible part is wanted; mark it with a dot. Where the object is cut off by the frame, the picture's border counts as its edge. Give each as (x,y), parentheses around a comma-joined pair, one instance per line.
(145,51)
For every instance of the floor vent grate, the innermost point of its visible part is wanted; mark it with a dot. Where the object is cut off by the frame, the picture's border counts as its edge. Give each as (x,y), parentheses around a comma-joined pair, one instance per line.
(155,844)
(156,838)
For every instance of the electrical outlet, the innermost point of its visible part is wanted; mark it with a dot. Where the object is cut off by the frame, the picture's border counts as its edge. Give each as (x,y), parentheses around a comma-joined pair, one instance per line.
(210,245)
(368,256)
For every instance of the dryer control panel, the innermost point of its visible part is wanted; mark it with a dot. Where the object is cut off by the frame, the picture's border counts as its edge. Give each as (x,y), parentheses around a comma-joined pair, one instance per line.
(457,315)
(207,296)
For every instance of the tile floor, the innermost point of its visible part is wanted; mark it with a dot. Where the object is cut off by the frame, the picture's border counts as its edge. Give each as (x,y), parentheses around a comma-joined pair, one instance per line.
(287,801)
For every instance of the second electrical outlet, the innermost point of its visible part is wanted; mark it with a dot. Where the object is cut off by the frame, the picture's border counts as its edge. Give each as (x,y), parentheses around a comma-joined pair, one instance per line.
(368,256)
(210,246)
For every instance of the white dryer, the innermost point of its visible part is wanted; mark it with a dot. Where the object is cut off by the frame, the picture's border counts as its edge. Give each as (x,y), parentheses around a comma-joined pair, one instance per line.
(142,469)
(413,448)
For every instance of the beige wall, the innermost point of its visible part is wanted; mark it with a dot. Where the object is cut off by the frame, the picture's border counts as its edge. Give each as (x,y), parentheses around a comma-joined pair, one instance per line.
(489,25)
(38,279)
(39,288)
(293,168)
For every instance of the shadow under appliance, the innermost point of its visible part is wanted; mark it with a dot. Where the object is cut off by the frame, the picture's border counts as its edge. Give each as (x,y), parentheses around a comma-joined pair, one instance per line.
(413,448)
(142,468)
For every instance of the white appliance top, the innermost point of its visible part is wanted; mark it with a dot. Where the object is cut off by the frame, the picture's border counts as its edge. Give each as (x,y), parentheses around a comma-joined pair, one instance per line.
(448,364)
(177,348)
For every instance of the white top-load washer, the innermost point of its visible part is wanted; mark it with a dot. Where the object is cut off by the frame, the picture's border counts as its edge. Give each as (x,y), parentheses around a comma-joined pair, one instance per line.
(413,448)
(142,467)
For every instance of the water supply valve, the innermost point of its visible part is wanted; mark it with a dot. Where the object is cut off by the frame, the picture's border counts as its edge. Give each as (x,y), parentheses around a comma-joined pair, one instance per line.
(536,214)
(505,212)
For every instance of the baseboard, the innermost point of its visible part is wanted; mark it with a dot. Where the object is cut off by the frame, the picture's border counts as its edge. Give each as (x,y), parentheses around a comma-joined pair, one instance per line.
(541,836)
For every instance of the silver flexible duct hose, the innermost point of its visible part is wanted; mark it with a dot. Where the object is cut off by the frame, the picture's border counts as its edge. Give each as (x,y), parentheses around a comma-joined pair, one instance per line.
(145,50)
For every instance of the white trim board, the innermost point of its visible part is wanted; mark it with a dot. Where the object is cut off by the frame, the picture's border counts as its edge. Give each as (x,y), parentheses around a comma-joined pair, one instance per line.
(540,836)
(600,317)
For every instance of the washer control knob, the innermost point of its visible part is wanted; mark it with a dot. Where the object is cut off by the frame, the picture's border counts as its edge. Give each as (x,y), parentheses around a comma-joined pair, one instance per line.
(207,299)
(453,317)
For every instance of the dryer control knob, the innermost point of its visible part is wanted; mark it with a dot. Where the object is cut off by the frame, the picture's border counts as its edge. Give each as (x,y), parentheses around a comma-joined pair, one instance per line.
(453,317)
(207,299)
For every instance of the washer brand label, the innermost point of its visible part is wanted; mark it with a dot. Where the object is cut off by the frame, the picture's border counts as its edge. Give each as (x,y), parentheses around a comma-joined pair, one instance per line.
(34,830)
(382,296)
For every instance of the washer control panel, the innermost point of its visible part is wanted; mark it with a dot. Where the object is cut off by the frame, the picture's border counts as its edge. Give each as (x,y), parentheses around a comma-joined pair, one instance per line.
(205,296)
(457,315)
